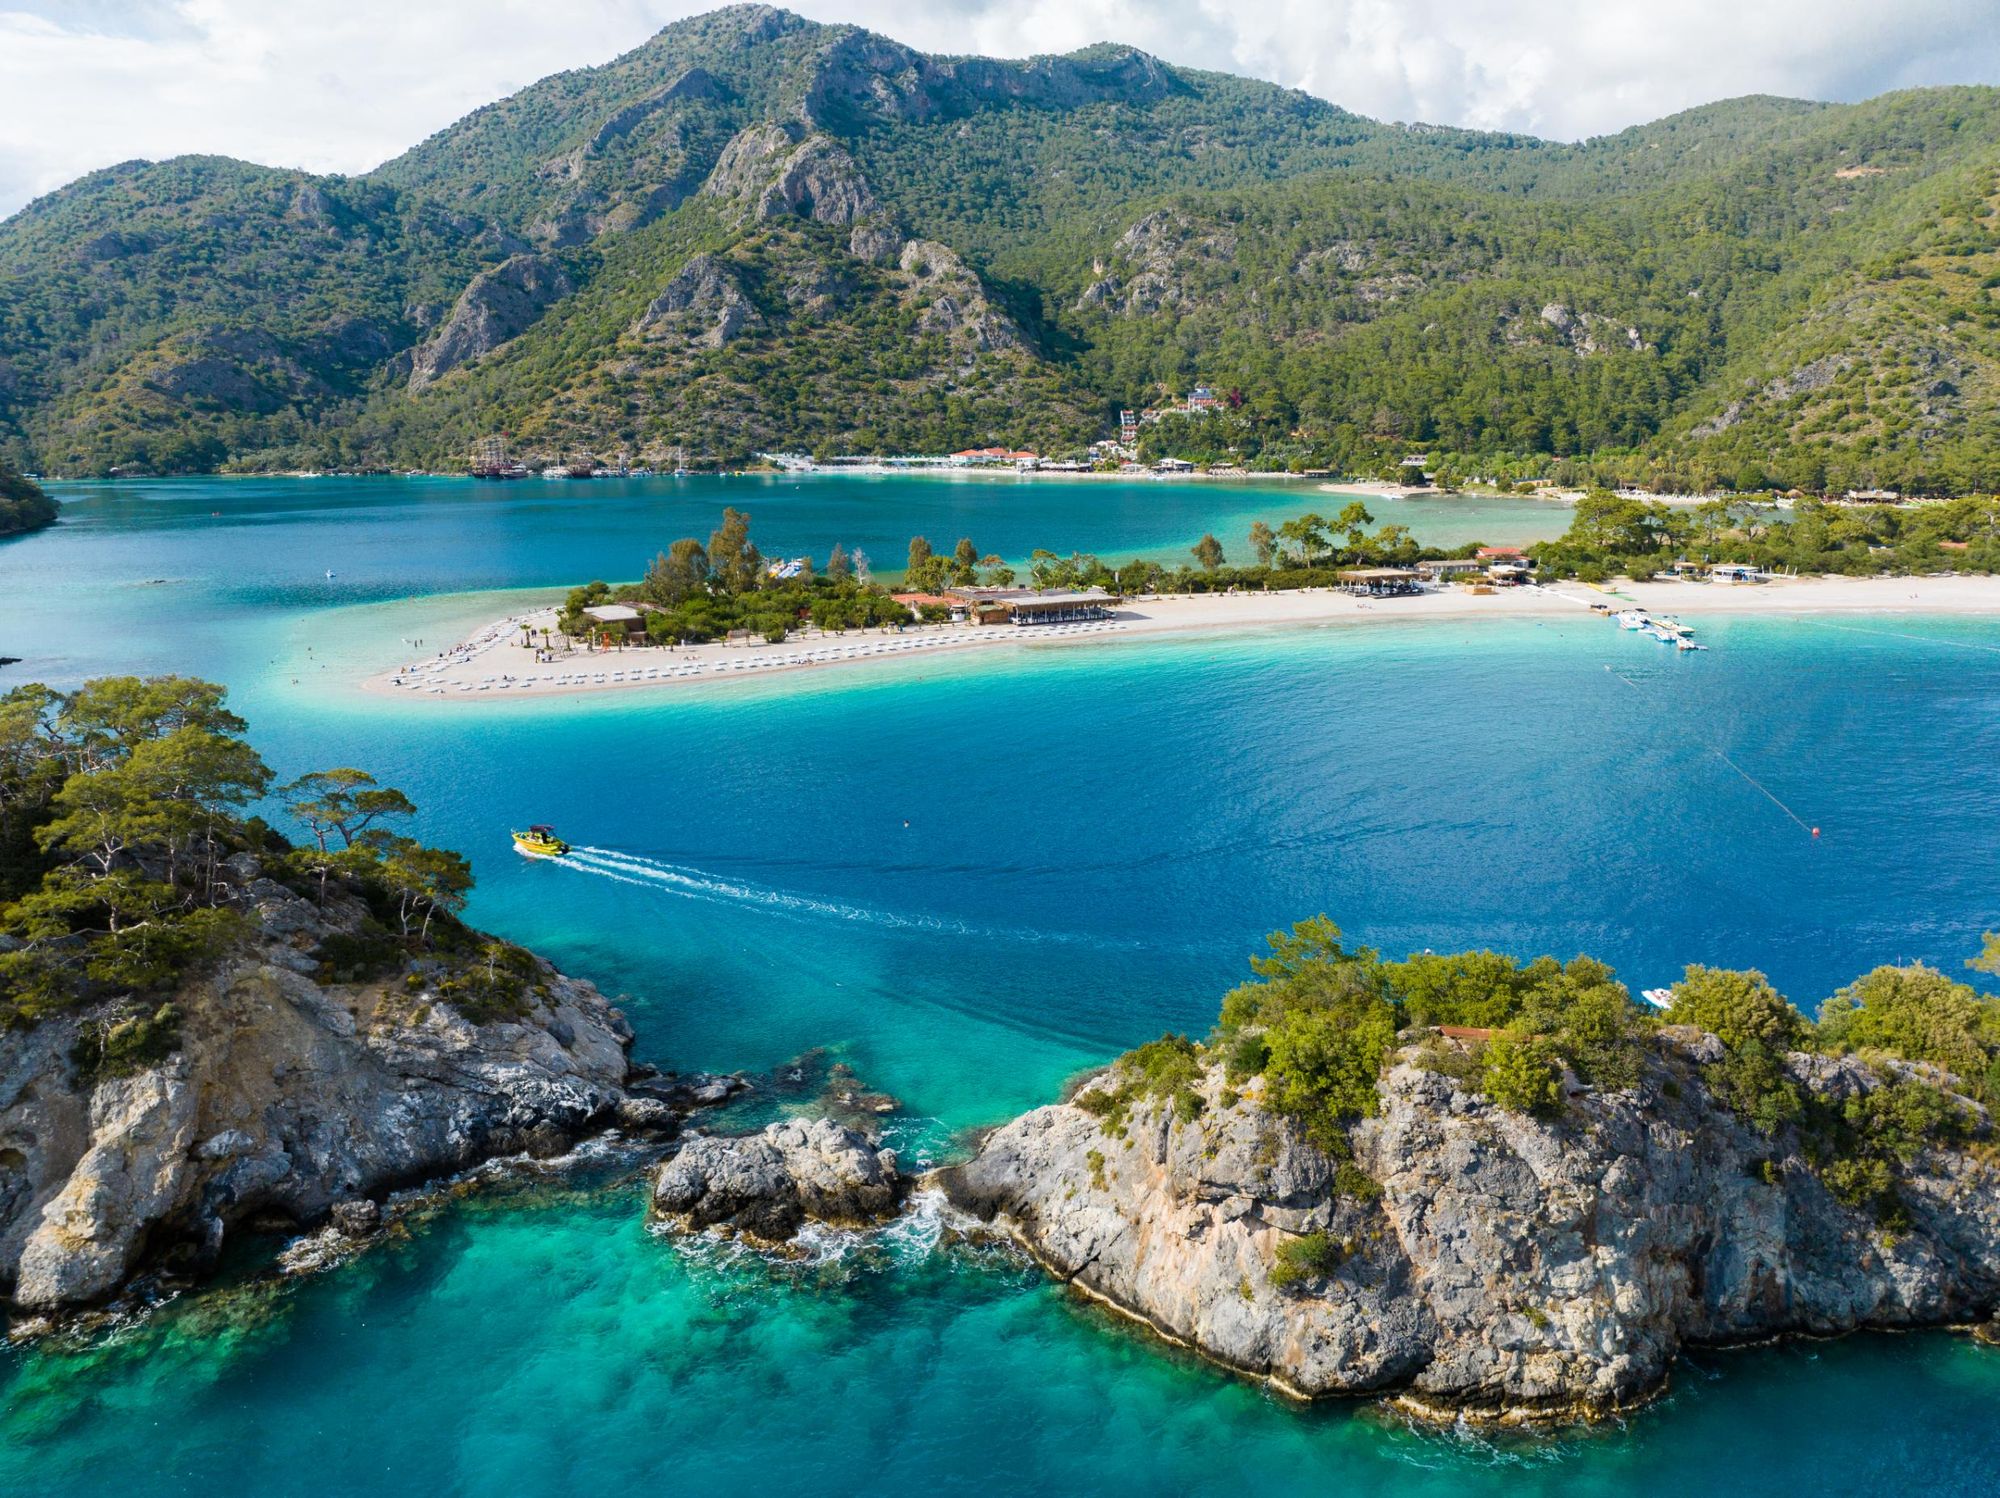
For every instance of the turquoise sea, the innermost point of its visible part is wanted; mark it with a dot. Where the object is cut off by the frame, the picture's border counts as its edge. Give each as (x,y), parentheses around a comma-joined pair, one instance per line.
(1095,839)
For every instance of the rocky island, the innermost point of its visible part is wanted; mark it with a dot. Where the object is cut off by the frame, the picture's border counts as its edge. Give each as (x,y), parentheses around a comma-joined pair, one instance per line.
(1523,1219)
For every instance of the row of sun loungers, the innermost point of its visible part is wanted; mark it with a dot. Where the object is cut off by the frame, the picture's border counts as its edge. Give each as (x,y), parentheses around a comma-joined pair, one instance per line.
(824,655)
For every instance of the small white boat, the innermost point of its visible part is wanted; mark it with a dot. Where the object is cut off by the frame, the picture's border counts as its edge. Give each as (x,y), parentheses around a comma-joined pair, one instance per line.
(1659,998)
(1631,618)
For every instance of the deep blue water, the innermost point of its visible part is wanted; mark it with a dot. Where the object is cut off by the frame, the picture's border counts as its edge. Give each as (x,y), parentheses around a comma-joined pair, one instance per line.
(1095,839)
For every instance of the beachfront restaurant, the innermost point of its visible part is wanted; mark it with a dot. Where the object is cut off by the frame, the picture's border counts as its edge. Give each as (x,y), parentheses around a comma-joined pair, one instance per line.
(1452,569)
(1029,606)
(1382,582)
(618,618)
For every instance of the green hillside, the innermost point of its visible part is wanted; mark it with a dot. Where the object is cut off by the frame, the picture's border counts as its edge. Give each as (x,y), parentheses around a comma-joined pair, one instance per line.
(757,231)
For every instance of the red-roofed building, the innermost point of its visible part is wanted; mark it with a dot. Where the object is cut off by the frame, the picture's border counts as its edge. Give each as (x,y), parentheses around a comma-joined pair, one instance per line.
(1499,553)
(916,603)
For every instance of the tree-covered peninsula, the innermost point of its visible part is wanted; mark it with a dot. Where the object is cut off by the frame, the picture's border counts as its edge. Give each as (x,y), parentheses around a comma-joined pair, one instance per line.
(23,505)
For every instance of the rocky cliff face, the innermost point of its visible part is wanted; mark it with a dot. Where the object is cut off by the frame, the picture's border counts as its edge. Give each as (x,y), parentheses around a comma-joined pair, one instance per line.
(1482,1261)
(496,306)
(953,300)
(287,1095)
(704,304)
(764,174)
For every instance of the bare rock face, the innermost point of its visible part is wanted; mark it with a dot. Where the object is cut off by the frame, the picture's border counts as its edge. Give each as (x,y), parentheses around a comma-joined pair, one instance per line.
(861,77)
(953,300)
(1507,1268)
(767,1185)
(286,1095)
(703,304)
(498,305)
(765,174)
(876,241)
(1151,263)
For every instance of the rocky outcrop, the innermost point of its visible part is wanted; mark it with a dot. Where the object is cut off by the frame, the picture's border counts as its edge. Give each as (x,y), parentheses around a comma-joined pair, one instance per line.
(498,305)
(765,174)
(1153,260)
(768,1185)
(861,77)
(877,241)
(703,305)
(1590,332)
(288,1095)
(1480,1261)
(952,301)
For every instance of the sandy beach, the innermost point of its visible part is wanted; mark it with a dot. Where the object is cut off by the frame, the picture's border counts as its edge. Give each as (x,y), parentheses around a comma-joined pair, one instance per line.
(493,662)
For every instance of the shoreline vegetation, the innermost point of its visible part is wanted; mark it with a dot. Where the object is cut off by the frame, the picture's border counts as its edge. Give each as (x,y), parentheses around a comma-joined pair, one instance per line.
(1367,1179)
(24,506)
(721,610)
(121,808)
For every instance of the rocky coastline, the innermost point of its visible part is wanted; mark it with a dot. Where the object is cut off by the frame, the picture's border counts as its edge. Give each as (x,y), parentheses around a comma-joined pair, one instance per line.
(291,1099)
(1466,1260)
(1472,1263)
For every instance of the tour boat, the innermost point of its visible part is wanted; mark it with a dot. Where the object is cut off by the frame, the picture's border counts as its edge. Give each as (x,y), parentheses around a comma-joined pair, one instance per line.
(540,841)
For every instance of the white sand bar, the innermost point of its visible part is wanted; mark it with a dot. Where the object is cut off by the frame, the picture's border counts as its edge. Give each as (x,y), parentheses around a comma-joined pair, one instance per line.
(494,664)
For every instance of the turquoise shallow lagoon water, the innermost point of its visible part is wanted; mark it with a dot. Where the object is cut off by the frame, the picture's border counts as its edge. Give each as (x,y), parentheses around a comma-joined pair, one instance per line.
(1096,838)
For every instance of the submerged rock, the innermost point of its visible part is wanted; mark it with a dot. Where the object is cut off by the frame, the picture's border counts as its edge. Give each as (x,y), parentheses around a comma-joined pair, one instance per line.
(768,1185)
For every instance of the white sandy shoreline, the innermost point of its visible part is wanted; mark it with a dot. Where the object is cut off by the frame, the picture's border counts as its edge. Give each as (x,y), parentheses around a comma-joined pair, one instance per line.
(493,664)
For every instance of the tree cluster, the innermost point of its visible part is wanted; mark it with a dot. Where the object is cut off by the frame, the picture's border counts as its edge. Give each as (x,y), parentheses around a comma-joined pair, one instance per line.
(121,807)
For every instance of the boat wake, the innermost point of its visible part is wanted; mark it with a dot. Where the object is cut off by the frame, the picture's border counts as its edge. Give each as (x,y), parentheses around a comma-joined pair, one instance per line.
(628,868)
(695,884)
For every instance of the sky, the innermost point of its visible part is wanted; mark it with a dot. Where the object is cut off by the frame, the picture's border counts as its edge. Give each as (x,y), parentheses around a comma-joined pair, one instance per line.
(341,85)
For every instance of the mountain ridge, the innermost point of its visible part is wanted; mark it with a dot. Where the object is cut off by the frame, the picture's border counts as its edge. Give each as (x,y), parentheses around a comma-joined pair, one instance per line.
(1802,294)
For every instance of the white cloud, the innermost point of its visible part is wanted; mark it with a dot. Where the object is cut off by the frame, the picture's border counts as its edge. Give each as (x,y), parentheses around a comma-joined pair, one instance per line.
(340,85)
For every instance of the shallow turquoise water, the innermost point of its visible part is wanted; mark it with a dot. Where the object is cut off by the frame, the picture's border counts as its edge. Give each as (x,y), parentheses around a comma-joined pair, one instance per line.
(1095,839)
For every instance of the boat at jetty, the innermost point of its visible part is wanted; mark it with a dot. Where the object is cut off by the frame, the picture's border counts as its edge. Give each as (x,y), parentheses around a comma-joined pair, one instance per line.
(540,841)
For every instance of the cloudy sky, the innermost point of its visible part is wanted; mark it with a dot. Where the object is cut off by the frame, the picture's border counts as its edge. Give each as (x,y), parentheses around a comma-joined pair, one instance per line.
(339,85)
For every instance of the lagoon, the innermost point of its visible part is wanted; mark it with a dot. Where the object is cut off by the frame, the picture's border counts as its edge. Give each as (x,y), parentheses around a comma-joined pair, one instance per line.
(1095,840)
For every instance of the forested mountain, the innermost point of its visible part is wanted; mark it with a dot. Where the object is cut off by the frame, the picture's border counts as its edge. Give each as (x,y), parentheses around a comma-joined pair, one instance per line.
(759,231)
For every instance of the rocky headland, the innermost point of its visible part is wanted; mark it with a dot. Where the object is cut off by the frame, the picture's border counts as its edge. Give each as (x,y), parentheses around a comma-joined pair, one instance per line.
(273,1092)
(1477,1261)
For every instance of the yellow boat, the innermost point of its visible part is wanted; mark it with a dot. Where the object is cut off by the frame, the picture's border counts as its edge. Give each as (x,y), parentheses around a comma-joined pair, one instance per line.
(540,841)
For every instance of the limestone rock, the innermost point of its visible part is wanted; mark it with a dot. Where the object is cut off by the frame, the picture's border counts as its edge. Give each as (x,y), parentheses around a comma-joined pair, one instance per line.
(289,1096)
(876,241)
(953,300)
(497,305)
(1509,1267)
(766,174)
(704,304)
(767,1185)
